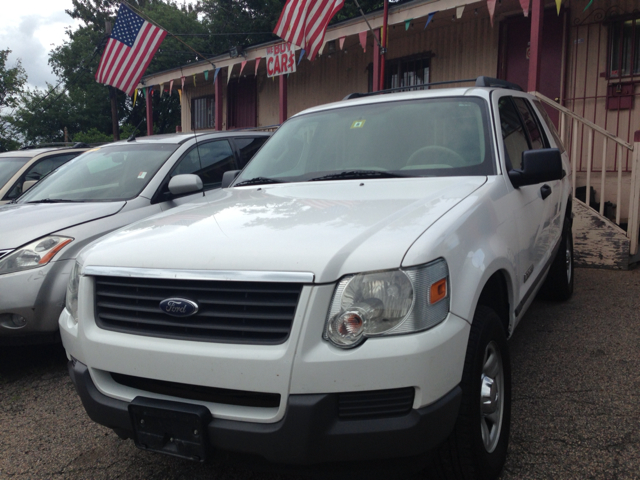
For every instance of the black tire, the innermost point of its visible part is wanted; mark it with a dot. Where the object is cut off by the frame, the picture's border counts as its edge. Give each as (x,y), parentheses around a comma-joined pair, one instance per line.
(468,454)
(559,282)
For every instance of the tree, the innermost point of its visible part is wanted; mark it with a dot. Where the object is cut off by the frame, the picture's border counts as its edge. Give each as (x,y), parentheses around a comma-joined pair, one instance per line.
(12,81)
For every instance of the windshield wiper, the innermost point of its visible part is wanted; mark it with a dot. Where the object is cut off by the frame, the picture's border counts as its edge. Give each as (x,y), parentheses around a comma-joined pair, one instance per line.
(53,200)
(356,174)
(257,181)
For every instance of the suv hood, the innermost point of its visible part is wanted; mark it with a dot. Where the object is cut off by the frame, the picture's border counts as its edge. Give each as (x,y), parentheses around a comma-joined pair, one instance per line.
(24,222)
(326,228)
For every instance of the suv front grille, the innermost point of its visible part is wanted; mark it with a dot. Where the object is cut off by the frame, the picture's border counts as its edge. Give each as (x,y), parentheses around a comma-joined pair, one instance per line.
(230,312)
(375,403)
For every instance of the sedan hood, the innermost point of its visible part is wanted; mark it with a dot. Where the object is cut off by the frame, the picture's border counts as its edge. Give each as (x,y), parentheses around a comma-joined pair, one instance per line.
(24,222)
(326,228)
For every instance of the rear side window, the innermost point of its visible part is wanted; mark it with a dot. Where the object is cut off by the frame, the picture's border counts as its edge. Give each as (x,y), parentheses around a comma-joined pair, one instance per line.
(248,148)
(536,135)
(209,161)
(550,125)
(513,133)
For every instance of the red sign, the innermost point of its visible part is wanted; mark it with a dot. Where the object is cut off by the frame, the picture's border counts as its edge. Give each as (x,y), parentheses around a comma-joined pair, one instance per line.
(281,60)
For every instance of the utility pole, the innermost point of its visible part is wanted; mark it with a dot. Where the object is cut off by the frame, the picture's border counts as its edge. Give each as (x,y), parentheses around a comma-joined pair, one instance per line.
(113,96)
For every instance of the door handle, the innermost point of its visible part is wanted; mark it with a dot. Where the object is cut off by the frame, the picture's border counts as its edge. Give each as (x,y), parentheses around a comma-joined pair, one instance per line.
(545,191)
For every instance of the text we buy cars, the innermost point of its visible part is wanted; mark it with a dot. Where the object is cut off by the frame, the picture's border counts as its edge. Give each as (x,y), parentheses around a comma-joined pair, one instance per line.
(281,60)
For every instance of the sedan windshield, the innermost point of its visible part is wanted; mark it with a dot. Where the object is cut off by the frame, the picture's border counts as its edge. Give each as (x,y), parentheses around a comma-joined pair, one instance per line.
(9,166)
(421,137)
(114,172)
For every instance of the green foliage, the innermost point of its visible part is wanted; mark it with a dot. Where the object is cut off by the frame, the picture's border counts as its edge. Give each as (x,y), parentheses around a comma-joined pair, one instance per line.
(93,135)
(12,80)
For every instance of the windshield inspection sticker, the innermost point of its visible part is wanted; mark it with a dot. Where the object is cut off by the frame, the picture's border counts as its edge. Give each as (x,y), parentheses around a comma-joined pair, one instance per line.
(358,124)
(142,174)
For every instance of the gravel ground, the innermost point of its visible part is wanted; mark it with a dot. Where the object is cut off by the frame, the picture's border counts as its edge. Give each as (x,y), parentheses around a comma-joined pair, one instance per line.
(576,384)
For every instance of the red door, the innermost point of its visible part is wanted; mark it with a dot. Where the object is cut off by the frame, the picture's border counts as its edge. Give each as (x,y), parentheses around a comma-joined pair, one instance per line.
(241,103)
(514,61)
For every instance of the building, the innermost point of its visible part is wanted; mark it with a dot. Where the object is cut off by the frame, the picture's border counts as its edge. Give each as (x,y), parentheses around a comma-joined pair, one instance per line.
(584,58)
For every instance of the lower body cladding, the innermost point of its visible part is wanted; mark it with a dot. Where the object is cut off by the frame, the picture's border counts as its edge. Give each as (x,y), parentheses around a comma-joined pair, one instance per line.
(300,402)
(31,302)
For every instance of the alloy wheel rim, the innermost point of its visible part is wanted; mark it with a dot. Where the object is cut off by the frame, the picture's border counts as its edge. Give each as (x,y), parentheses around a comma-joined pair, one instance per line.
(491,397)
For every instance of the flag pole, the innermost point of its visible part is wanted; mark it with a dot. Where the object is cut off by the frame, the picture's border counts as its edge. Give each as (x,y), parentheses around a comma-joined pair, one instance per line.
(143,15)
(382,49)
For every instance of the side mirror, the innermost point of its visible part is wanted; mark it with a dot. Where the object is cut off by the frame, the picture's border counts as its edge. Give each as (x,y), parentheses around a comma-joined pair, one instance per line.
(228,178)
(28,184)
(185,183)
(538,166)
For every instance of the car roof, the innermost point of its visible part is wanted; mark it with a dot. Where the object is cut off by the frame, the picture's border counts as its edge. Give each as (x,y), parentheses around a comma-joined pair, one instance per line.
(32,152)
(483,92)
(179,138)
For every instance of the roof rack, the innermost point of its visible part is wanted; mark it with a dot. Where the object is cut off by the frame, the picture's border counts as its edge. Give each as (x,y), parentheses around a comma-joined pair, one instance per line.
(496,82)
(479,82)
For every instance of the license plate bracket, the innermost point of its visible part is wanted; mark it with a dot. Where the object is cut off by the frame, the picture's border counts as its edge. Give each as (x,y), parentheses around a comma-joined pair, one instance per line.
(173,428)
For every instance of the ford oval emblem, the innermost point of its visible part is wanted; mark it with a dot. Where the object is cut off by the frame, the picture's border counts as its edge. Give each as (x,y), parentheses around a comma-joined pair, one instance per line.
(178,307)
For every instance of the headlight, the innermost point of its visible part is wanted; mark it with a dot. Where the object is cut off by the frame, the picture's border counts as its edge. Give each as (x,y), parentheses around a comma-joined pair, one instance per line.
(36,254)
(71,300)
(389,302)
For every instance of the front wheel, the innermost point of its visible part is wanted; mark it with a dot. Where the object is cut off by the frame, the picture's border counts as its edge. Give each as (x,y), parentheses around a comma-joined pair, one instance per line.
(477,448)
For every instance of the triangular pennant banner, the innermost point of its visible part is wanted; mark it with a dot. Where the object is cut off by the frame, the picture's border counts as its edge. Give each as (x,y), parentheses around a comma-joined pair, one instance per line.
(525,6)
(341,42)
(491,6)
(161,89)
(206,75)
(229,73)
(180,94)
(558,5)
(588,5)
(144,92)
(170,86)
(257,65)
(459,11)
(363,40)
(182,83)
(429,18)
(135,97)
(407,24)
(215,75)
(242,64)
(302,52)
(194,80)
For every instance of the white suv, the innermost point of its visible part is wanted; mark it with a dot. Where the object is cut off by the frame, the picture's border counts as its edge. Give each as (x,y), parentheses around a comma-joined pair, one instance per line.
(346,297)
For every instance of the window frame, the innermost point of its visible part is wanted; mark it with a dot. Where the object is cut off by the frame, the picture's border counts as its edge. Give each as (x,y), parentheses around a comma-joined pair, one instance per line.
(210,107)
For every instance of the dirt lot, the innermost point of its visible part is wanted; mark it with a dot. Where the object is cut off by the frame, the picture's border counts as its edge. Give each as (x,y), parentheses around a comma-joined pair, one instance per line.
(576,402)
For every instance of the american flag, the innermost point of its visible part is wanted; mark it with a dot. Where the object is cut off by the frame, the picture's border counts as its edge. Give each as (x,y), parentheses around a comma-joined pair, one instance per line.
(132,45)
(304,23)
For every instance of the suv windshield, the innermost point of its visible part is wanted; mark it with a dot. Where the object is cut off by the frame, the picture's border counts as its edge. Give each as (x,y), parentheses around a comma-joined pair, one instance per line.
(9,166)
(115,172)
(425,137)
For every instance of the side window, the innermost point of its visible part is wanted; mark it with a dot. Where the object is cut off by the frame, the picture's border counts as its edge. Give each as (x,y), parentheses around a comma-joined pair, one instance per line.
(248,148)
(513,134)
(536,135)
(550,125)
(38,170)
(208,160)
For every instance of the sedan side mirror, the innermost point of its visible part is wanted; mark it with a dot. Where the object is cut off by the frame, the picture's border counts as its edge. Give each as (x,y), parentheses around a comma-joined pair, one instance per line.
(185,183)
(28,184)
(228,178)
(538,166)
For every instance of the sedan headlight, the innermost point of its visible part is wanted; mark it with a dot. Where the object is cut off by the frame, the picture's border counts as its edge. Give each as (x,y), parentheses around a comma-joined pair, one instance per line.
(389,302)
(71,299)
(36,254)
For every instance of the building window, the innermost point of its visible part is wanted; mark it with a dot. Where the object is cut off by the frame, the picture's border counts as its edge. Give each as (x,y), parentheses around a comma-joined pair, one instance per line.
(624,54)
(408,72)
(203,113)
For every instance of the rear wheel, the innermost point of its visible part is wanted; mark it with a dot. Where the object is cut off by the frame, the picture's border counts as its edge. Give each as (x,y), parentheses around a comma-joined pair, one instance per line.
(559,282)
(477,448)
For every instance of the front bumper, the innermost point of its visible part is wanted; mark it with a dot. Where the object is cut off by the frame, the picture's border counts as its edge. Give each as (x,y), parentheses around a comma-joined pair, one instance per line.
(309,433)
(37,295)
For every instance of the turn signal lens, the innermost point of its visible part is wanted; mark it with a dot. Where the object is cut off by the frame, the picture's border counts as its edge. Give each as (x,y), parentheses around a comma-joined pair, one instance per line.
(438,291)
